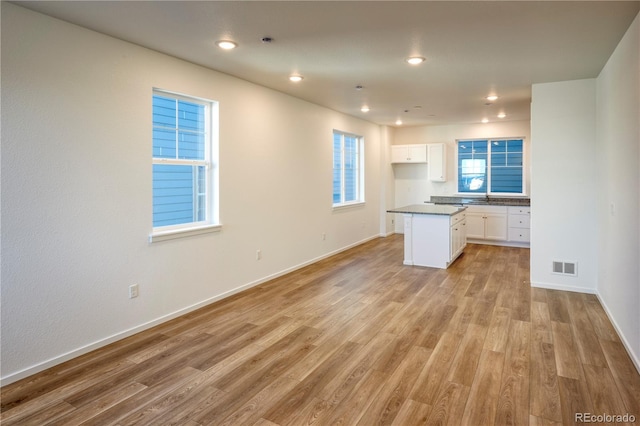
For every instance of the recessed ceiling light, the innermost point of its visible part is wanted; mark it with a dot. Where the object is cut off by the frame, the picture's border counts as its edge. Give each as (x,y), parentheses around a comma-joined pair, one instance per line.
(485,120)
(415,60)
(365,109)
(296,78)
(502,115)
(491,98)
(399,122)
(226,44)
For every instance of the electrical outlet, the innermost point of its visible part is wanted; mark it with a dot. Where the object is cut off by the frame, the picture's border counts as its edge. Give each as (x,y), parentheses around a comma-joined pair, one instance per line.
(258,254)
(133,291)
(324,236)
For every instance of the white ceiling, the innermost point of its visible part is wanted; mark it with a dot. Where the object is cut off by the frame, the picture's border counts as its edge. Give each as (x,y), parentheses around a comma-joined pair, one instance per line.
(473,48)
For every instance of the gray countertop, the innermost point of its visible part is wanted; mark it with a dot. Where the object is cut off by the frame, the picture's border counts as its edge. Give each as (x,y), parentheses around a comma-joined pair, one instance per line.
(428,209)
(481,201)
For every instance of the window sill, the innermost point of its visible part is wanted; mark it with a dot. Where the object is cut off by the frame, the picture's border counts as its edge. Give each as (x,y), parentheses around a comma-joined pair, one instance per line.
(181,233)
(348,206)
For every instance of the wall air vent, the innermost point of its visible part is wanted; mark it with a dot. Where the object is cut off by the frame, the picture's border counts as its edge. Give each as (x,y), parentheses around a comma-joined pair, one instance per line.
(565,268)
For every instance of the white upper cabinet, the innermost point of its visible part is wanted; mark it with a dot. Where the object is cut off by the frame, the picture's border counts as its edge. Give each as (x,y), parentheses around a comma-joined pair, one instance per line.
(437,162)
(415,153)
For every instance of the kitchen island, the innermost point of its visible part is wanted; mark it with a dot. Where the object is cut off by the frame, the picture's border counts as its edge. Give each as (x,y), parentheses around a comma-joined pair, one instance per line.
(434,235)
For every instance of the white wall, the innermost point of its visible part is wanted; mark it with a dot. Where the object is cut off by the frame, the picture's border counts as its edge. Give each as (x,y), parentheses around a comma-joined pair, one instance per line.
(388,188)
(564,183)
(412,185)
(76,190)
(618,130)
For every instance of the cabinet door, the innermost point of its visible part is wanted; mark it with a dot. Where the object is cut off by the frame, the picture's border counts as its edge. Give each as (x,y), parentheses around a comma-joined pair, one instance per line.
(520,235)
(417,153)
(458,240)
(496,226)
(475,225)
(453,241)
(519,221)
(399,154)
(437,162)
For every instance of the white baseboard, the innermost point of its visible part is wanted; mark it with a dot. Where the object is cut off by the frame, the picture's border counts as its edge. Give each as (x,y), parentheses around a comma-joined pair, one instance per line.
(14,377)
(563,287)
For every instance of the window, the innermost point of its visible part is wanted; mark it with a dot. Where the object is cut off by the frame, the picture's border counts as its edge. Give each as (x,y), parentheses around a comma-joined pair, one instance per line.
(491,166)
(348,170)
(183,197)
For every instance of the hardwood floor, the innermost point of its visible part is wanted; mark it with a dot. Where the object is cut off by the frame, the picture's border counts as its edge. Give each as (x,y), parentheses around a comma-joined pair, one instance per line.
(356,339)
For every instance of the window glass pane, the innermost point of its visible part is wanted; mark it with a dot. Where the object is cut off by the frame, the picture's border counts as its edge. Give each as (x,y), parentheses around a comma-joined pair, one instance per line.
(187,140)
(164,143)
(164,112)
(173,194)
(337,168)
(506,176)
(506,179)
(191,145)
(480,147)
(514,159)
(472,166)
(191,116)
(200,193)
(346,168)
(498,146)
(498,159)
(350,193)
(515,145)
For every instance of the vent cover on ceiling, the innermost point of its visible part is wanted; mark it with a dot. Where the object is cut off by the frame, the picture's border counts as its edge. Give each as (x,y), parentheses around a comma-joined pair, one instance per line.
(565,268)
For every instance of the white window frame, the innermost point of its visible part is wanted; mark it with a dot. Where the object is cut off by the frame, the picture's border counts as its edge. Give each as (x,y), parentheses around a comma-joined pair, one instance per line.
(360,199)
(498,194)
(210,163)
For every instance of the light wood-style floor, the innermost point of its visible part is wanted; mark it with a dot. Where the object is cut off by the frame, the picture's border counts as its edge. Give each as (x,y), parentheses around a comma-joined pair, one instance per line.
(356,339)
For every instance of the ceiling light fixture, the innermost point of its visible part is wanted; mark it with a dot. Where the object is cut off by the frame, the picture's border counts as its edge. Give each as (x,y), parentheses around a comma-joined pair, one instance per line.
(492,98)
(502,115)
(485,120)
(295,78)
(226,44)
(365,109)
(398,122)
(415,60)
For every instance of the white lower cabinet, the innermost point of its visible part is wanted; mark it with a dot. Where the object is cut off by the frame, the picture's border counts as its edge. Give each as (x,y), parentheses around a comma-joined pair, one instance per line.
(509,224)
(487,223)
(458,235)
(519,224)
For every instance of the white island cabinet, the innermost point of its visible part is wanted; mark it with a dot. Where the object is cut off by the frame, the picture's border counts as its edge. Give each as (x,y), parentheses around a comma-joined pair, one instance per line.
(434,236)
